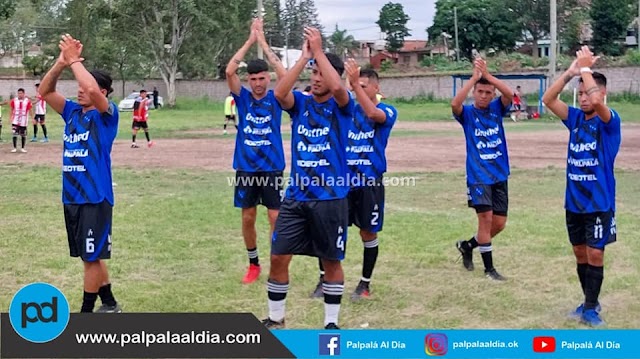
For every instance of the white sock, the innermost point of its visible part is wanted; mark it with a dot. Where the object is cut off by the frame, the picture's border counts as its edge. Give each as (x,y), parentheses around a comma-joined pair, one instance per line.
(331,313)
(277,309)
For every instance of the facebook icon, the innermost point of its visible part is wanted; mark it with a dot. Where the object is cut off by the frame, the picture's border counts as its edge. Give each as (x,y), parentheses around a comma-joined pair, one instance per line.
(329,344)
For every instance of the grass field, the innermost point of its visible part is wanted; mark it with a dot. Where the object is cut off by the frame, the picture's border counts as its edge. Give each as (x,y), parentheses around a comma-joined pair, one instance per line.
(178,246)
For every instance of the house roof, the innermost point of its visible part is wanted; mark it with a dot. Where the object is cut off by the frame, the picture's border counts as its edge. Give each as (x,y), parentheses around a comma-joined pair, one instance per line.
(412,45)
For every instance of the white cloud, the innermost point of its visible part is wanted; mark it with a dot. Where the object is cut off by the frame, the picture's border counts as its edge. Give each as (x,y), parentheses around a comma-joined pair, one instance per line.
(359,16)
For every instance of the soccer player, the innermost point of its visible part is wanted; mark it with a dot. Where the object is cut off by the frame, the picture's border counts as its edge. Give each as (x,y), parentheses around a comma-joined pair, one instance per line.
(91,125)
(368,136)
(140,118)
(229,112)
(314,215)
(487,161)
(259,156)
(594,140)
(517,104)
(41,111)
(20,110)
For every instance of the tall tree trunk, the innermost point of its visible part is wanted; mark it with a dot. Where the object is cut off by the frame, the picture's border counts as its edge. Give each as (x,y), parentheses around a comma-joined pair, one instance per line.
(534,47)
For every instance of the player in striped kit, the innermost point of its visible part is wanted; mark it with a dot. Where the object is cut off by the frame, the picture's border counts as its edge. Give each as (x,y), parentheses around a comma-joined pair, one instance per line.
(21,108)
(487,161)
(41,111)
(140,118)
(590,199)
(313,218)
(90,127)
(259,156)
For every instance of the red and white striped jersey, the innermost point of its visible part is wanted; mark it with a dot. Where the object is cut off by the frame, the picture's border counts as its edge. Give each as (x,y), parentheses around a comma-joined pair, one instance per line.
(41,105)
(20,111)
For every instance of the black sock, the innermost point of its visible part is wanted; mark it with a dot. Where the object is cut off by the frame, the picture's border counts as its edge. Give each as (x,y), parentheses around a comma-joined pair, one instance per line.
(133,138)
(472,243)
(487,258)
(582,275)
(15,141)
(44,131)
(35,130)
(23,140)
(236,126)
(146,134)
(88,302)
(225,126)
(369,258)
(253,256)
(595,276)
(106,296)
(321,269)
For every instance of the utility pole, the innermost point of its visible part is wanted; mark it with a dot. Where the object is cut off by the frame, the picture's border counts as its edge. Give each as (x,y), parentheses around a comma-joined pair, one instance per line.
(260,8)
(455,24)
(638,19)
(554,39)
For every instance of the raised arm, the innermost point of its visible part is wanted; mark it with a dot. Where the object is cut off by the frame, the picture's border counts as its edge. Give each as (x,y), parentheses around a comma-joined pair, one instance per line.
(458,101)
(370,108)
(233,80)
(329,74)
(72,49)
(47,88)
(550,97)
(283,88)
(585,61)
(506,91)
(271,56)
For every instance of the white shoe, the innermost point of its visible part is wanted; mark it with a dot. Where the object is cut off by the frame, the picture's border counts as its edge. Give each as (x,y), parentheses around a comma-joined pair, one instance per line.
(23,150)
(224,132)
(14,150)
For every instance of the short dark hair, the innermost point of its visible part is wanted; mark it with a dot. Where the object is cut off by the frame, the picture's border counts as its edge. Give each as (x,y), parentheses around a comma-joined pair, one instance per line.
(371,74)
(307,89)
(336,62)
(20,89)
(38,85)
(599,78)
(103,79)
(257,66)
(483,81)
(143,90)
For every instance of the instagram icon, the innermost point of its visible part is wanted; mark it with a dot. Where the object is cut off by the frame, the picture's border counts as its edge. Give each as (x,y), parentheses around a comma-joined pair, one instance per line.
(436,344)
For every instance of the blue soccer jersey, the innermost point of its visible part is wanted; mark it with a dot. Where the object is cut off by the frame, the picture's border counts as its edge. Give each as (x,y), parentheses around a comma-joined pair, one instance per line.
(367,144)
(86,158)
(487,156)
(259,139)
(592,150)
(318,149)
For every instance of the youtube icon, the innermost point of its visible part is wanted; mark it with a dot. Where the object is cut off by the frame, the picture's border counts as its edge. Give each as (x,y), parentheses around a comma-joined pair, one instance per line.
(544,344)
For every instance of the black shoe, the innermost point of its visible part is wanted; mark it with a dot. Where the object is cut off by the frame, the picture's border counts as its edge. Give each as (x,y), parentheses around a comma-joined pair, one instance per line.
(109,309)
(494,275)
(317,293)
(331,326)
(361,292)
(272,324)
(467,255)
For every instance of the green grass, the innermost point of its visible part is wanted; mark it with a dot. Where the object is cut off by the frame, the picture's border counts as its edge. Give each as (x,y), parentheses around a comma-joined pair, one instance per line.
(178,248)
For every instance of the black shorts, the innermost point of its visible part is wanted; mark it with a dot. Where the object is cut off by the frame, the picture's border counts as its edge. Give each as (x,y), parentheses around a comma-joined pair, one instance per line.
(485,198)
(254,188)
(366,207)
(39,119)
(89,230)
(517,107)
(19,130)
(596,229)
(139,124)
(312,228)
(230,117)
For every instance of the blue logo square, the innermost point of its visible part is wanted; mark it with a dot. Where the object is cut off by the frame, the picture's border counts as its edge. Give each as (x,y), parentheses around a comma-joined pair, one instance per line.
(329,344)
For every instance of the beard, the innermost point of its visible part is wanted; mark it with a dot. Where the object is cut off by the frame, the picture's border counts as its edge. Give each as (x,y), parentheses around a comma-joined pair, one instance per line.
(589,113)
(323,93)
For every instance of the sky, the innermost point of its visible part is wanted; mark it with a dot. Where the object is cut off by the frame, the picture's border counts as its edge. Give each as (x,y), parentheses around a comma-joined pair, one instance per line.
(359,16)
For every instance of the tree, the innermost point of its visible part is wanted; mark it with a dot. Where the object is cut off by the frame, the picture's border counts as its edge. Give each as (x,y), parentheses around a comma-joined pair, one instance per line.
(342,43)
(393,22)
(482,24)
(297,16)
(534,17)
(7,8)
(274,28)
(610,19)
(38,64)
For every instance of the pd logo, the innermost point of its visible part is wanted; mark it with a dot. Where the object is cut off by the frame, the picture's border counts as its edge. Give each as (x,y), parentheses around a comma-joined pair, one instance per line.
(329,344)
(544,344)
(39,312)
(436,344)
